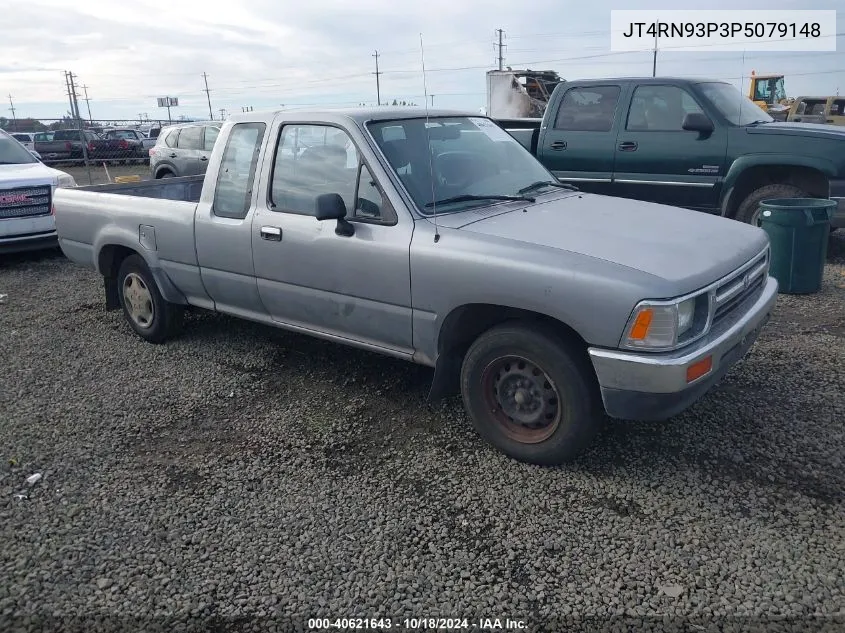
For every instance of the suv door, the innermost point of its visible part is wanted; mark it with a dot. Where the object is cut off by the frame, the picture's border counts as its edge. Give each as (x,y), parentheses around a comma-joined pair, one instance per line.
(658,161)
(188,149)
(578,146)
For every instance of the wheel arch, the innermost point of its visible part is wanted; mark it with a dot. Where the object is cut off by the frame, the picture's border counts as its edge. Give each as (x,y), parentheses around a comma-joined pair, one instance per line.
(109,258)
(746,176)
(467,322)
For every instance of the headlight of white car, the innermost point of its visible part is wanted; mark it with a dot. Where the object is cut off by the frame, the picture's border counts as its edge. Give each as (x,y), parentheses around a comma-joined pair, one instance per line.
(66,180)
(664,325)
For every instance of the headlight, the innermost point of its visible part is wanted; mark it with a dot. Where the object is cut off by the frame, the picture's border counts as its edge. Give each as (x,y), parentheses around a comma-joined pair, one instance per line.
(663,325)
(66,180)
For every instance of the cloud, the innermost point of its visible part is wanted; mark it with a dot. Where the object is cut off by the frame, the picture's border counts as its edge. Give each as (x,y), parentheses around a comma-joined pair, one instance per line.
(264,53)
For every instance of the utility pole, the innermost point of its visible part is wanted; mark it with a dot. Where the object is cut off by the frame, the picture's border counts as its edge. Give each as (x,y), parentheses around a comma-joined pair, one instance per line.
(432,101)
(247,109)
(88,105)
(208,96)
(654,63)
(15,118)
(75,109)
(378,86)
(222,113)
(501,46)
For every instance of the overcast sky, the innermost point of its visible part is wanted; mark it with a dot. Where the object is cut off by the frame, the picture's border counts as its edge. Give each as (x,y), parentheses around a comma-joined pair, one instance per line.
(266,53)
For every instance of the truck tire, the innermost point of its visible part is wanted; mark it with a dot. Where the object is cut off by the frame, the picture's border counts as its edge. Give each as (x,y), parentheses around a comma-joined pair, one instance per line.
(749,211)
(530,394)
(153,319)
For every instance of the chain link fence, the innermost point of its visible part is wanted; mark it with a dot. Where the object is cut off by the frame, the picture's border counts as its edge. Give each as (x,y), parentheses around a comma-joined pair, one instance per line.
(67,142)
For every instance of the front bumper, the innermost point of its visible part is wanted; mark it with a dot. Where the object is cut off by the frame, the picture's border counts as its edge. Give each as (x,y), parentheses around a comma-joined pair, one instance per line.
(648,387)
(23,243)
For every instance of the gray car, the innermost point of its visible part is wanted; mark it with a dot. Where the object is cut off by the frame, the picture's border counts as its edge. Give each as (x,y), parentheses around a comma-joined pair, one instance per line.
(183,150)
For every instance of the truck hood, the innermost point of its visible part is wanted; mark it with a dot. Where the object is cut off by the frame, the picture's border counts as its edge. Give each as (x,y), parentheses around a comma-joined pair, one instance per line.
(789,128)
(687,249)
(28,174)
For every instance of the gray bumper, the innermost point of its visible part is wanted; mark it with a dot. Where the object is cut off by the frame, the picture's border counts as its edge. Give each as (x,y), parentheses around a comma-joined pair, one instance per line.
(23,243)
(637,386)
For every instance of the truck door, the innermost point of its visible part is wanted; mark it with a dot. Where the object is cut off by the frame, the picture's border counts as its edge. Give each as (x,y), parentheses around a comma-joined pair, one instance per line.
(658,161)
(223,224)
(353,286)
(577,142)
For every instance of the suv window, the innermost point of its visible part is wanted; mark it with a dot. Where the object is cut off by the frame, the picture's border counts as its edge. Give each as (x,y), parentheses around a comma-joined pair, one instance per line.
(190,138)
(123,134)
(660,108)
(591,108)
(233,192)
(211,133)
(837,108)
(312,160)
(67,135)
(171,138)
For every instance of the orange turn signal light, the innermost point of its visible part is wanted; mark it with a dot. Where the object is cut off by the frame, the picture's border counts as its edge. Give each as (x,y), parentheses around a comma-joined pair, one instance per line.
(699,368)
(643,321)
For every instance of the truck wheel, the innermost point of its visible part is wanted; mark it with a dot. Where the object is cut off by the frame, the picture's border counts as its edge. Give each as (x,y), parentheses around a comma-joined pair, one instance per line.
(749,209)
(529,394)
(153,319)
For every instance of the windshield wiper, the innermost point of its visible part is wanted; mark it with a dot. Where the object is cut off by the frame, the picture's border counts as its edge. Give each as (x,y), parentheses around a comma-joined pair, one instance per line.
(758,121)
(468,197)
(547,183)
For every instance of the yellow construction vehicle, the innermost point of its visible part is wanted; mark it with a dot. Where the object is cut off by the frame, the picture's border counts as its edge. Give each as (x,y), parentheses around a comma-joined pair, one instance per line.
(768,92)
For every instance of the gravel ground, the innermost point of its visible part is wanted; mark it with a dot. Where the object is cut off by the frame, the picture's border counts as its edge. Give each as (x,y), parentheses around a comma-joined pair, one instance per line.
(243,471)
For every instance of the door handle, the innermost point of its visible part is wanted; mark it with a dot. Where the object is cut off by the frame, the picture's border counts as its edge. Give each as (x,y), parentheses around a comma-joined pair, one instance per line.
(558,145)
(203,157)
(173,155)
(628,146)
(272,233)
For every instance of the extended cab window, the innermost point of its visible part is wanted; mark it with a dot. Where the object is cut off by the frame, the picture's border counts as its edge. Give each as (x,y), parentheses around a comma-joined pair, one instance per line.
(312,160)
(190,138)
(233,192)
(588,109)
(660,108)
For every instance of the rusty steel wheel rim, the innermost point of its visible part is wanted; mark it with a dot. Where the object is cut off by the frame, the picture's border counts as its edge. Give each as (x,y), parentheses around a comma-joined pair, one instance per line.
(522,399)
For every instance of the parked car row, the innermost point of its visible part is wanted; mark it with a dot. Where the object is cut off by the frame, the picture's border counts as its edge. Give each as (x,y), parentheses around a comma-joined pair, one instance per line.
(110,145)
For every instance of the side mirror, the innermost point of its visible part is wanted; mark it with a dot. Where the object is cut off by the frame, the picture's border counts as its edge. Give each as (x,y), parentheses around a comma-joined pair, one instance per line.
(697,122)
(330,206)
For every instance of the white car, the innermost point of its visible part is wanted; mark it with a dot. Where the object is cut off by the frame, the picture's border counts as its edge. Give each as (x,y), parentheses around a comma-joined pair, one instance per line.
(27,139)
(26,198)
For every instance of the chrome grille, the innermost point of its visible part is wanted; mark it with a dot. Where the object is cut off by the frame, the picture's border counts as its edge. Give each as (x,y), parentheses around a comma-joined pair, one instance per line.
(24,202)
(745,283)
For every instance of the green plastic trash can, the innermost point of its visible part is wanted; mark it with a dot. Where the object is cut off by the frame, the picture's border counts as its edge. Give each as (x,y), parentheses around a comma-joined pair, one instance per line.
(798,230)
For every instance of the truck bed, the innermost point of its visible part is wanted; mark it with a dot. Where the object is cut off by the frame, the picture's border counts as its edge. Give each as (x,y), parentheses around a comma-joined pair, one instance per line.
(183,189)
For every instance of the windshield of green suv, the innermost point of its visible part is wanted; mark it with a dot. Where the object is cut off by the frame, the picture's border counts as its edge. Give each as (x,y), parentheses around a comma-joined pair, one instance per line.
(734,106)
(13,153)
(452,163)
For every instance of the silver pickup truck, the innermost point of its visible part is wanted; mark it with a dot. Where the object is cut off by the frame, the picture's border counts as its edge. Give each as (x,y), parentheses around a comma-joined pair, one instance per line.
(437,238)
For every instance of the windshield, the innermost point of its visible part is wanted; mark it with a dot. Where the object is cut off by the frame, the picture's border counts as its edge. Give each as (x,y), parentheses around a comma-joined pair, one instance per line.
(13,153)
(470,156)
(732,104)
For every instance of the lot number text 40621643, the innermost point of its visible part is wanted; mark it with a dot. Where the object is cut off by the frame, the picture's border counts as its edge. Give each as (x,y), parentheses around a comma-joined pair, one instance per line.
(417,624)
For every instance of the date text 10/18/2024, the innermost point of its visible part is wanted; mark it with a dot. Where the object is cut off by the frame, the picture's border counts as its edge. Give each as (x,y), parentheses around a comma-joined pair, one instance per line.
(417,624)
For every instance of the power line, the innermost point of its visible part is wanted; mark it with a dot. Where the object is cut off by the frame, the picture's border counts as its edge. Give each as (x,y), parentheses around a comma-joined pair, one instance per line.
(208,96)
(377,73)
